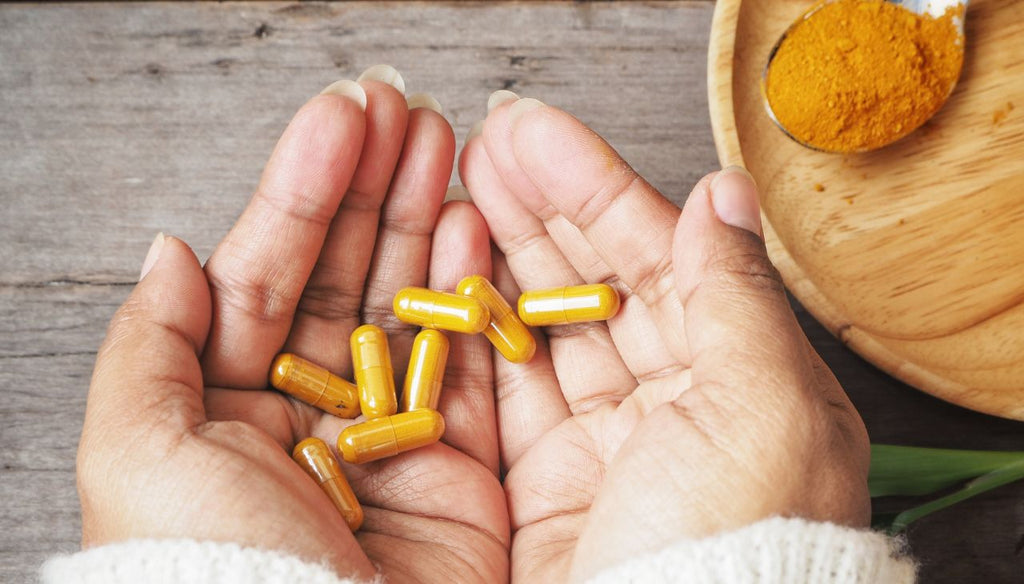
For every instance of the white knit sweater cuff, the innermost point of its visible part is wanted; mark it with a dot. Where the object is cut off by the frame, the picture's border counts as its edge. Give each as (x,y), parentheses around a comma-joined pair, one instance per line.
(177,561)
(773,551)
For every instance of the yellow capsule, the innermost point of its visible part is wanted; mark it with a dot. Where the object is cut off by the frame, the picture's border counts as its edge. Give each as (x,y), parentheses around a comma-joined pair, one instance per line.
(568,304)
(506,332)
(441,310)
(422,388)
(375,377)
(316,459)
(383,437)
(314,385)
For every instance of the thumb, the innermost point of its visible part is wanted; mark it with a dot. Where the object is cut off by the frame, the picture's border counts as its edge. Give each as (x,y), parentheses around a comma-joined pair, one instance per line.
(742,333)
(147,371)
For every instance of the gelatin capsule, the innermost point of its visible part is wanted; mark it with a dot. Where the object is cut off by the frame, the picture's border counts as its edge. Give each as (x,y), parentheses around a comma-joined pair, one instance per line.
(506,332)
(441,310)
(316,459)
(314,385)
(422,388)
(375,378)
(569,304)
(383,437)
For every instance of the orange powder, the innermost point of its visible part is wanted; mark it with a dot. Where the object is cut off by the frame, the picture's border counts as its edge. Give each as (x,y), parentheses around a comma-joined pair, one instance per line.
(858,74)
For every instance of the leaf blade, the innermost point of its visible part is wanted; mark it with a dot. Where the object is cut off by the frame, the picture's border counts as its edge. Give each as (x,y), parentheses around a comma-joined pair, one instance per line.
(997,478)
(910,470)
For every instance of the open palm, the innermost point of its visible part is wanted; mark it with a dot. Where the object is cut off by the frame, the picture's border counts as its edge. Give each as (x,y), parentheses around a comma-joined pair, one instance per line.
(699,408)
(180,427)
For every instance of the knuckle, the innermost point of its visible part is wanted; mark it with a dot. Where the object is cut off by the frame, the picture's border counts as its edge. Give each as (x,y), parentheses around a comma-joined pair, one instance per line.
(596,206)
(297,206)
(523,240)
(384,318)
(749,269)
(124,319)
(575,330)
(260,300)
(659,282)
(135,324)
(330,303)
(469,377)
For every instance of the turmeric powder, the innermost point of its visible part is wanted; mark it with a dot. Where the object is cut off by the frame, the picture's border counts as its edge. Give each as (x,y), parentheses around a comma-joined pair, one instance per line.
(858,74)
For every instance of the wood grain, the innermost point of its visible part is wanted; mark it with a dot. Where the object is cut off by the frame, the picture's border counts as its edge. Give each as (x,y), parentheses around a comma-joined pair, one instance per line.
(910,254)
(120,121)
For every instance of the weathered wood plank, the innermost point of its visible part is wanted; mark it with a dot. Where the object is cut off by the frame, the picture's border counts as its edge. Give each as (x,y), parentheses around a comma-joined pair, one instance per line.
(118,121)
(156,117)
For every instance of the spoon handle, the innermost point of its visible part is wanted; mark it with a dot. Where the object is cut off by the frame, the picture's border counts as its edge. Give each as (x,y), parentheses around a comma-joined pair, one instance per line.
(935,8)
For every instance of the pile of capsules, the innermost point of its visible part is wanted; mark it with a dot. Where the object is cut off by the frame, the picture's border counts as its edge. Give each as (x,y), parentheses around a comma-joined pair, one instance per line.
(391,428)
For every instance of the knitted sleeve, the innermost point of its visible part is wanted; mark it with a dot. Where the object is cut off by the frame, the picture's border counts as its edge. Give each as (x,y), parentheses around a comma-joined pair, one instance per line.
(183,561)
(773,551)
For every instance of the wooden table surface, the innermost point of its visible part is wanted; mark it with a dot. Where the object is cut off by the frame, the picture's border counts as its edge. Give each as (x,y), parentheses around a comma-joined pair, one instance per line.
(119,121)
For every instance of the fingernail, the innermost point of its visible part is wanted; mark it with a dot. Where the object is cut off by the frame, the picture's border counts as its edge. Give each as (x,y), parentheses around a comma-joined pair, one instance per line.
(476,130)
(384,74)
(521,107)
(424,100)
(499,97)
(734,198)
(152,255)
(349,89)
(457,193)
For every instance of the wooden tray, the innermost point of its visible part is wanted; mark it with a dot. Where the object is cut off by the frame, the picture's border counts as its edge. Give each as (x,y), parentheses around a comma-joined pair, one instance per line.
(913,255)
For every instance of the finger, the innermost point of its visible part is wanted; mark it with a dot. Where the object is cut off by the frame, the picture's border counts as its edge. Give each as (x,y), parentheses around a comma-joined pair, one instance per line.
(588,365)
(402,252)
(259,270)
(626,221)
(330,305)
(461,248)
(742,332)
(635,333)
(528,400)
(147,372)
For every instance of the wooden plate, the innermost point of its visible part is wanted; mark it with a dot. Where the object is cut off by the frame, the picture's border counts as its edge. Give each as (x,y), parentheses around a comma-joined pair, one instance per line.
(913,255)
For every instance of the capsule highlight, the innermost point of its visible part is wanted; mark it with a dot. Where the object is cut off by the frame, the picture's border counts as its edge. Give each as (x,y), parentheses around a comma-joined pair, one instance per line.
(423,380)
(383,437)
(313,455)
(569,304)
(506,332)
(375,378)
(314,385)
(441,310)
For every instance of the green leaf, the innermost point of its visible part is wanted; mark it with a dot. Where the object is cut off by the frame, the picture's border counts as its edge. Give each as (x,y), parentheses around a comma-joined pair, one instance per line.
(987,482)
(908,470)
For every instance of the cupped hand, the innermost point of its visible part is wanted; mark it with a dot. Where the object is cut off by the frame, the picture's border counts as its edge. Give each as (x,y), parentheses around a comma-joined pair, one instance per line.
(182,437)
(699,408)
